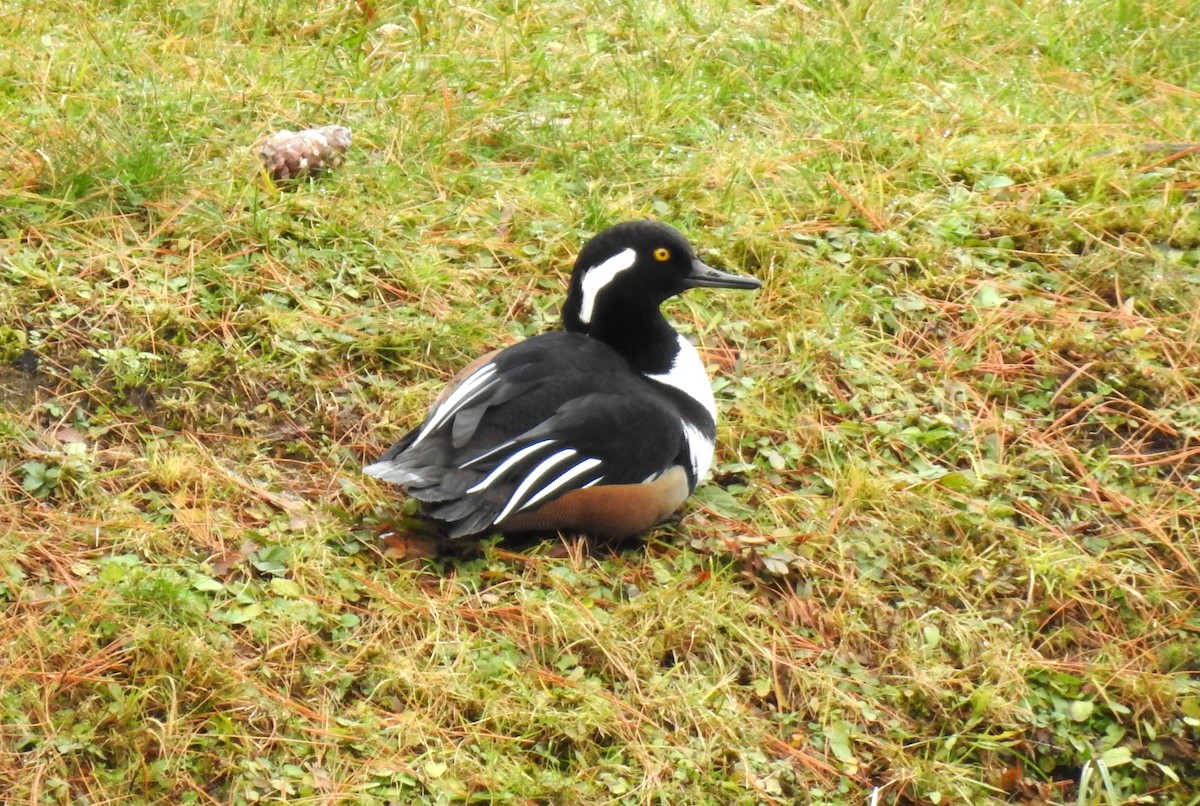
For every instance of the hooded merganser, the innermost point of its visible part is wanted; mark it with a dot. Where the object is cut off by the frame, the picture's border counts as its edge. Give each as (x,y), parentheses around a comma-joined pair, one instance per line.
(603,428)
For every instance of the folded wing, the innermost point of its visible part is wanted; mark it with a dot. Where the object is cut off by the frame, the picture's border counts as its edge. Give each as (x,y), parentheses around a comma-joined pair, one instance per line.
(529,426)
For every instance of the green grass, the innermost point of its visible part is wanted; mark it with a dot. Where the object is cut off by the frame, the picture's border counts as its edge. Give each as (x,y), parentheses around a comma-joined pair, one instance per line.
(951,550)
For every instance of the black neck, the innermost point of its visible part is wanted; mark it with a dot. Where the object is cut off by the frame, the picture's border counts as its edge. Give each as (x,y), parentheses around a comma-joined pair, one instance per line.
(633,327)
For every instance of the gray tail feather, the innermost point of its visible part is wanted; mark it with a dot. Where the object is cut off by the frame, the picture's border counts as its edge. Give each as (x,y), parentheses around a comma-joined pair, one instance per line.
(395,473)
(470,514)
(445,493)
(473,524)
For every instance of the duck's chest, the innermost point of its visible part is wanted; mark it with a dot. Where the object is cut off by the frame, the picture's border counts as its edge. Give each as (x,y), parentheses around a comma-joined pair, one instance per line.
(687,374)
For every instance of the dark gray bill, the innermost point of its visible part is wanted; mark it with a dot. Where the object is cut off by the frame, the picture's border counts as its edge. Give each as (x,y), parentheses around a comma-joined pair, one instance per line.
(705,276)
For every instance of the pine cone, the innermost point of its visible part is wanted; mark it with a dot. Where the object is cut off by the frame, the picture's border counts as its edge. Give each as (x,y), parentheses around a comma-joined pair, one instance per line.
(292,155)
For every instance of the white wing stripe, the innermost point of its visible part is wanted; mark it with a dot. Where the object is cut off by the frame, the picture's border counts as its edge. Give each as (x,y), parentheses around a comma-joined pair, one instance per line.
(509,462)
(532,479)
(577,470)
(483,456)
(465,392)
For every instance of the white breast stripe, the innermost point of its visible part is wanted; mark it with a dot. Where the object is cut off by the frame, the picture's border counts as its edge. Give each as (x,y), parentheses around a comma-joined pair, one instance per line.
(687,375)
(509,462)
(701,450)
(532,479)
(600,275)
(577,470)
(466,391)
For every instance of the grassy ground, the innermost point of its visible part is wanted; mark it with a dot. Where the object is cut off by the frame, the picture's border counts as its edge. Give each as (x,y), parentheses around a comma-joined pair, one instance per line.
(950,552)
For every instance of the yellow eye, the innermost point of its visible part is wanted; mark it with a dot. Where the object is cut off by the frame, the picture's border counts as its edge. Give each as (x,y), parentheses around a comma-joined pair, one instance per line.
(662,254)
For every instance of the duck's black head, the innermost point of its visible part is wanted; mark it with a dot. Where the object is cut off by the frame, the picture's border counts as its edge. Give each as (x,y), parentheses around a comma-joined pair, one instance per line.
(624,274)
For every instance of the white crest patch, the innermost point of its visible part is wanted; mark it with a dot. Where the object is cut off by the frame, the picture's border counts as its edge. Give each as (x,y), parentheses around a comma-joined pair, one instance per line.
(599,276)
(688,376)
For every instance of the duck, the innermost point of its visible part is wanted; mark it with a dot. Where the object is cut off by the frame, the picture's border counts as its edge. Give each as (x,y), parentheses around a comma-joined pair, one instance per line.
(604,427)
